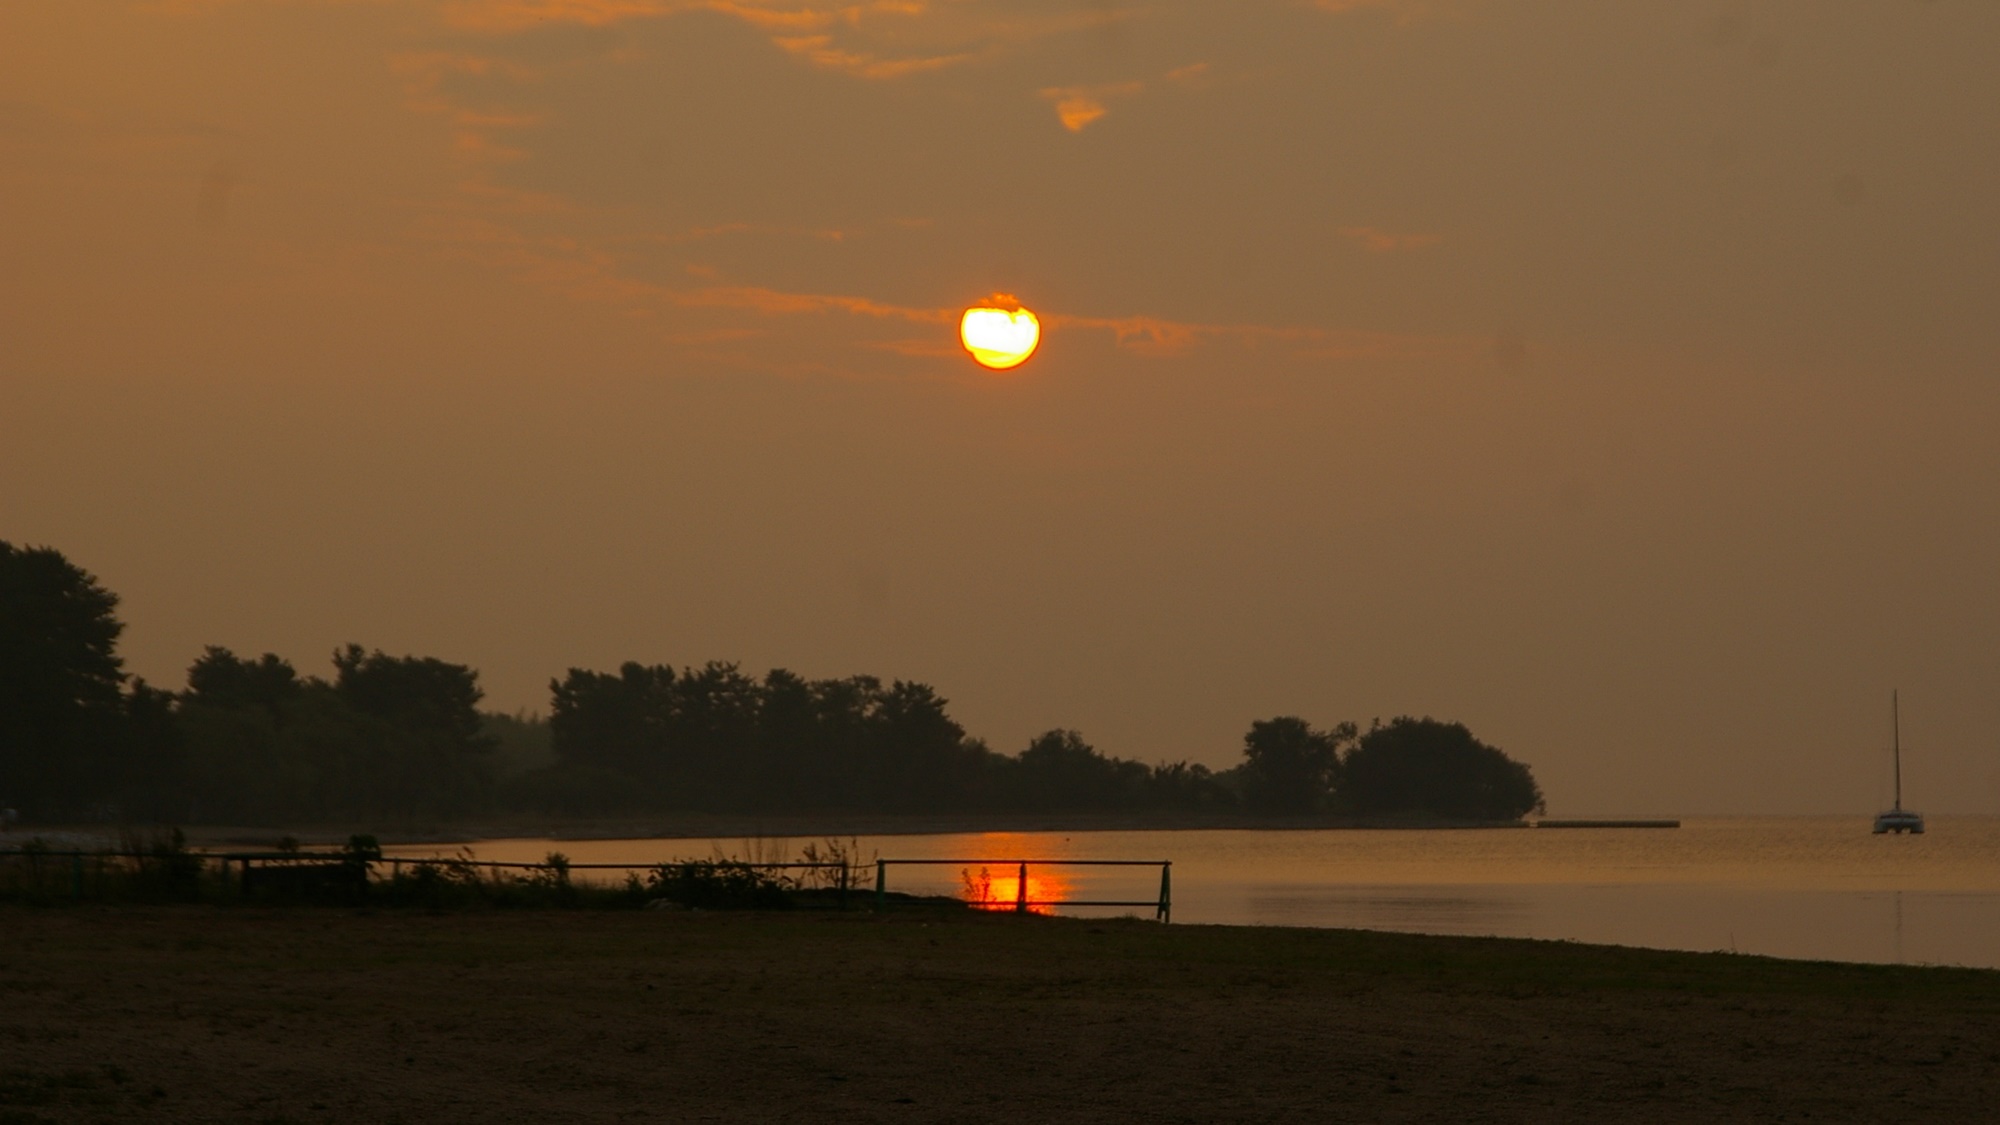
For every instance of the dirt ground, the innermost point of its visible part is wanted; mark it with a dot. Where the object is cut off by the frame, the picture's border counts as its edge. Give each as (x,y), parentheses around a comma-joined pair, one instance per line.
(196,1014)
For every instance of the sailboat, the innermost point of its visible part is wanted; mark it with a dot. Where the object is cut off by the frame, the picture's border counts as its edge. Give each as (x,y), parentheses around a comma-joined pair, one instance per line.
(1898,819)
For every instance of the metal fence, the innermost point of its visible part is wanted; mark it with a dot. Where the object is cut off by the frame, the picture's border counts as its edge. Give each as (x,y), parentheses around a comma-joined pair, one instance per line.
(1162,906)
(258,867)
(51,872)
(72,873)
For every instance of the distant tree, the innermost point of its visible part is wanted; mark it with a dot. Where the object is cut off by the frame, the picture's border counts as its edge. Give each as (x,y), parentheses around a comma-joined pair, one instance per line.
(648,737)
(1189,787)
(835,764)
(265,746)
(1289,767)
(521,741)
(427,751)
(1423,767)
(418,693)
(394,737)
(149,777)
(61,682)
(615,725)
(919,759)
(808,741)
(1060,771)
(712,739)
(220,678)
(715,739)
(243,771)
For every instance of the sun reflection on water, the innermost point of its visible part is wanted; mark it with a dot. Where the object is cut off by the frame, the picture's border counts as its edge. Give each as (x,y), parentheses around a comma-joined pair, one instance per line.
(998,887)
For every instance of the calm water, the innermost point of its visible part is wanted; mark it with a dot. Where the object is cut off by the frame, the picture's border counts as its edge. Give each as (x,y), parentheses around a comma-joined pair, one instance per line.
(1817,887)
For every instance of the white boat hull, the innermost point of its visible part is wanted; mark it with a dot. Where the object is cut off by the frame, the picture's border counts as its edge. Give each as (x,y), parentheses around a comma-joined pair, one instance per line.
(1899,820)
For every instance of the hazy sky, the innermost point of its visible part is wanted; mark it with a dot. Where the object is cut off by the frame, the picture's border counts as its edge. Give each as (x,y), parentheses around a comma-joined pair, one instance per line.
(1620,379)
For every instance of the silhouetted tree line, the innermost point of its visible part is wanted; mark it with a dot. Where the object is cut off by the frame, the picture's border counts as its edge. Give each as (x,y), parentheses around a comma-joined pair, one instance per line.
(715,739)
(250,740)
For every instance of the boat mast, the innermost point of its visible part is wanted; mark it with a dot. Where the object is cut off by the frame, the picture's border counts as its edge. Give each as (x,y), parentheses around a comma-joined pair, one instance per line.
(1896,741)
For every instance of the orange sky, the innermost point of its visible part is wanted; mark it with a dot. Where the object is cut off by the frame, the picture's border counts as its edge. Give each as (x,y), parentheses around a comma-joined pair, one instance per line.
(1617,379)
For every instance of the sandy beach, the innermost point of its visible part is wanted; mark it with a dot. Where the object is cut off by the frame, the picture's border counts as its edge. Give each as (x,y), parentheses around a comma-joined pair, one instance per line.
(321,1015)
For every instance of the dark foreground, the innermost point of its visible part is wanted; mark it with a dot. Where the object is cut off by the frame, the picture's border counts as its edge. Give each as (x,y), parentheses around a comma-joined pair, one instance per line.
(240,1015)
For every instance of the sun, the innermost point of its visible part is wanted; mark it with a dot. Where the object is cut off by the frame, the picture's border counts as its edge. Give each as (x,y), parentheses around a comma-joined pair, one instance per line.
(999,333)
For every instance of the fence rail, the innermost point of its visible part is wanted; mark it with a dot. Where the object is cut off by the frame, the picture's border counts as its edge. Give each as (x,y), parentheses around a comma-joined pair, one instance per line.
(397,863)
(253,868)
(1162,906)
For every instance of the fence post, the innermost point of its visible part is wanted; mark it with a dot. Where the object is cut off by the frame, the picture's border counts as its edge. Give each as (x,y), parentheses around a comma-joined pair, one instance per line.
(1166,911)
(845,867)
(1021,891)
(76,875)
(881,884)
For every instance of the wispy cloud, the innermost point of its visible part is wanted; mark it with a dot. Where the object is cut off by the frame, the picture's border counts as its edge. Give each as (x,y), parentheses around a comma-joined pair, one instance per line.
(466,15)
(836,37)
(1378,241)
(1147,334)
(534,238)
(822,51)
(776,302)
(475,130)
(870,39)
(1078,106)
(1158,336)
(728,230)
(934,346)
(523,15)
(874,39)
(810,18)
(1402,12)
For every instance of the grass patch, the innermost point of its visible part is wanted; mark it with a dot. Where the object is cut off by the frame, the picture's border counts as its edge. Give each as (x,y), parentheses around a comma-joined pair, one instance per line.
(162,868)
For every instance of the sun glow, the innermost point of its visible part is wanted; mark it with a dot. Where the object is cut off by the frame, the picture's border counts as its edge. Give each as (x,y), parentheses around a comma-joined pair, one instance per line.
(999,888)
(999,333)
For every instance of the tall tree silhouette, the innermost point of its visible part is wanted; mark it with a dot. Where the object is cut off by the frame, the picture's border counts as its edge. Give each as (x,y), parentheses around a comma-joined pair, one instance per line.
(428,748)
(1060,771)
(1423,767)
(262,743)
(61,682)
(221,678)
(1289,767)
